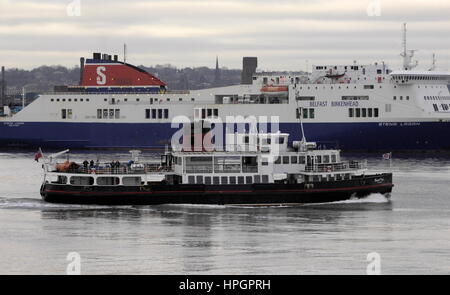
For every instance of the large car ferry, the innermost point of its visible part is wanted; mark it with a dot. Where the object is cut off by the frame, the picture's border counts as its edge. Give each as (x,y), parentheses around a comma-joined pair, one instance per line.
(351,107)
(258,169)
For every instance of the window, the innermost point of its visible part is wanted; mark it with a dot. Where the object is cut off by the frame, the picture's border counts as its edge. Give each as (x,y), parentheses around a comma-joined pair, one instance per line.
(358,113)
(301,159)
(278,160)
(306,97)
(368,86)
(240,179)
(265,179)
(375,112)
(199,179)
(63,114)
(147,114)
(105,113)
(153,113)
(305,113)
(355,97)
(257,179)
(286,160)
(99,113)
(350,113)
(311,113)
(160,113)
(326,159)
(333,158)
(166,113)
(191,179)
(232,179)
(319,159)
(364,112)
(369,112)
(111,113)
(208,180)
(117,114)
(216,113)
(248,180)
(293,159)
(224,180)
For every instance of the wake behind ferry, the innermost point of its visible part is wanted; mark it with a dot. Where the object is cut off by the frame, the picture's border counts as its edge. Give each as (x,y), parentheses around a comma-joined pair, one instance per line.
(350,107)
(259,169)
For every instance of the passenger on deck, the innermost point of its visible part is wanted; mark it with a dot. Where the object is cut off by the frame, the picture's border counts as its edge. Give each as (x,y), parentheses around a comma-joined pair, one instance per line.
(85,165)
(91,164)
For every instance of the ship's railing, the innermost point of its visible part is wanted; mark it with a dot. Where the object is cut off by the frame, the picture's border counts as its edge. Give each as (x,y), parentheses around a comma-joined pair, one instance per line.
(147,168)
(228,168)
(115,92)
(333,167)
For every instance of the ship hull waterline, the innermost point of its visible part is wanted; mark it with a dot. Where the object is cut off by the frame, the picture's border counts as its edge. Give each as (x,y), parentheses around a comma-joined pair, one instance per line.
(314,192)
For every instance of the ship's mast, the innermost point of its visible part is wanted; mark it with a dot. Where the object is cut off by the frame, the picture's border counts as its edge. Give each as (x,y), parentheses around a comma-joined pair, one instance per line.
(125,53)
(433,62)
(407,54)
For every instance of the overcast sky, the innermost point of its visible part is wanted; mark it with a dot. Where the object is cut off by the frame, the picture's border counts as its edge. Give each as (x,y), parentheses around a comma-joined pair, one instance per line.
(284,35)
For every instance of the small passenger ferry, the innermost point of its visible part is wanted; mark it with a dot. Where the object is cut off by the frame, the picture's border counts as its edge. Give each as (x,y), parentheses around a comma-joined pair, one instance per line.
(259,169)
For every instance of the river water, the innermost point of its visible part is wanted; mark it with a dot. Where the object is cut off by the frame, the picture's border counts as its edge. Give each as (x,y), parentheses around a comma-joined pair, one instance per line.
(410,232)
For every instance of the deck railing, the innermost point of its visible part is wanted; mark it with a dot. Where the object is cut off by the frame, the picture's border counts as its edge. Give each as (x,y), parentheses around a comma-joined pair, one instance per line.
(342,166)
(147,168)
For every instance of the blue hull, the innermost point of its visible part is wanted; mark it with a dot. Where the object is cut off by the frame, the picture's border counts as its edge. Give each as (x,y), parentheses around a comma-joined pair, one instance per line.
(346,136)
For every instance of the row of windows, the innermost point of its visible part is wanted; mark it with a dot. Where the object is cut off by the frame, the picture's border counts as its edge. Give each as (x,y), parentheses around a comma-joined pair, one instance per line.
(445,107)
(157,113)
(113,100)
(325,159)
(108,114)
(66,113)
(228,179)
(401,97)
(428,78)
(70,99)
(207,113)
(363,112)
(339,87)
(436,97)
(306,113)
(357,97)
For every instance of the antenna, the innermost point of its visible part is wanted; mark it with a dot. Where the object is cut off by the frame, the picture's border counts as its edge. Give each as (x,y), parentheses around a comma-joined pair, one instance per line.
(300,115)
(433,62)
(124,52)
(407,54)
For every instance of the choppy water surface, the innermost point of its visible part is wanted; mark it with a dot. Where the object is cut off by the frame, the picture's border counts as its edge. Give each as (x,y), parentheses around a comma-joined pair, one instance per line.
(411,232)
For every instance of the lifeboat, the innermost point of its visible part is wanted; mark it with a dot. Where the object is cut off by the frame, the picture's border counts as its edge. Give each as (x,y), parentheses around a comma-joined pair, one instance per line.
(335,76)
(66,166)
(275,90)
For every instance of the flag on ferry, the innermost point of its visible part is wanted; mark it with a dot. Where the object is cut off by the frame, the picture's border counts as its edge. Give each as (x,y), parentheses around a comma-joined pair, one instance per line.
(387,156)
(38,155)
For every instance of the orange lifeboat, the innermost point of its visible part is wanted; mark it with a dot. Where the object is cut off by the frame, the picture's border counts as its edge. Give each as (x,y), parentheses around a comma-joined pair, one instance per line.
(275,90)
(66,166)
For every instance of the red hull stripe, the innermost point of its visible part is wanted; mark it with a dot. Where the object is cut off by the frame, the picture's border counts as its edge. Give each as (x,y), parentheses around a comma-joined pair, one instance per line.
(228,191)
